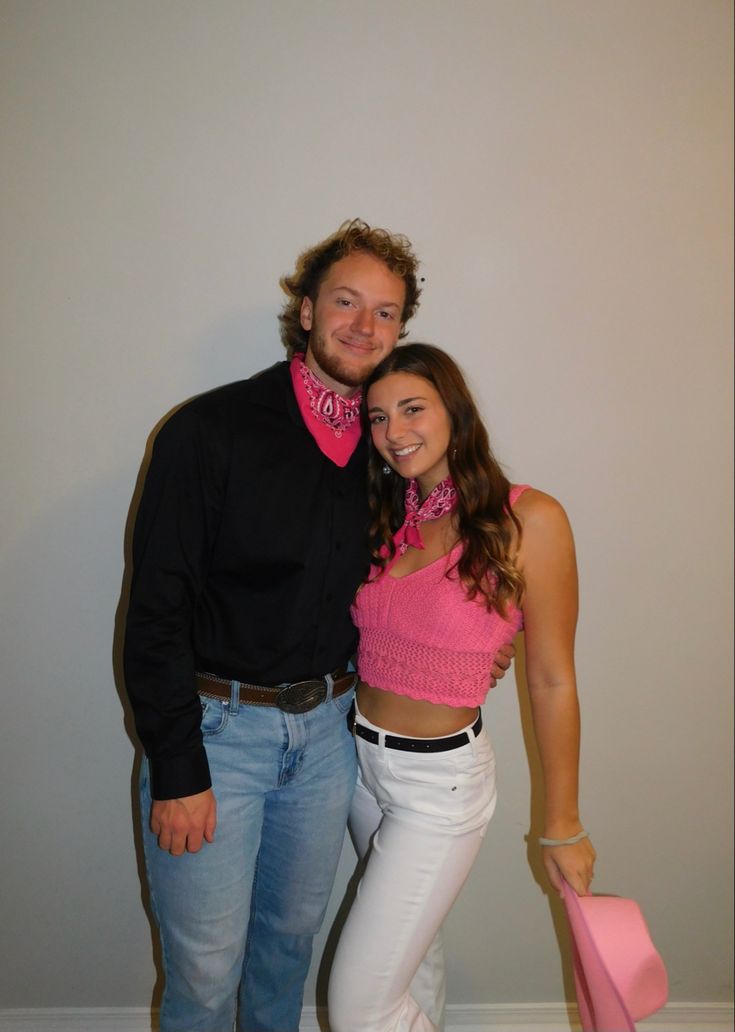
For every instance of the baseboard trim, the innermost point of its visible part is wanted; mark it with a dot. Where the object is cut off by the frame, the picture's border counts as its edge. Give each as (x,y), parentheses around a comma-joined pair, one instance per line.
(521,1017)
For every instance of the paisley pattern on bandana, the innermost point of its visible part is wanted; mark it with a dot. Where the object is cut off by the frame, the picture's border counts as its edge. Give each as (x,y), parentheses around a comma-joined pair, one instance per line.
(338,447)
(330,408)
(438,502)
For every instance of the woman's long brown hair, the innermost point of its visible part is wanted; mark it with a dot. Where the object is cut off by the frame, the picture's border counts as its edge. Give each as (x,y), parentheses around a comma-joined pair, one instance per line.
(486,566)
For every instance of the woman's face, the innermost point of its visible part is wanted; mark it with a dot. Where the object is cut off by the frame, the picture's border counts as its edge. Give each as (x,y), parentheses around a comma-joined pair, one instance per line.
(410,428)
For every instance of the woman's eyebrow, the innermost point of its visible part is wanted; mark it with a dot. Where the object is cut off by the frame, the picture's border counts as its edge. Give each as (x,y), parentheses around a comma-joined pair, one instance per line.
(404,401)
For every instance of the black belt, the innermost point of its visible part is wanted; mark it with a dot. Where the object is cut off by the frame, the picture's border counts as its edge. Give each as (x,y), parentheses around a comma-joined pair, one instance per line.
(298,697)
(427,745)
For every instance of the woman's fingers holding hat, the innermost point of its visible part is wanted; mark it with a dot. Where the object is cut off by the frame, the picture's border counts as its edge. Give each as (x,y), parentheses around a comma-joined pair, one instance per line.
(574,863)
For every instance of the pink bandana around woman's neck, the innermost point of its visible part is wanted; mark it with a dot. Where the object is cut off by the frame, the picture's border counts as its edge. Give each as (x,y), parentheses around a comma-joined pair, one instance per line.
(333,421)
(437,503)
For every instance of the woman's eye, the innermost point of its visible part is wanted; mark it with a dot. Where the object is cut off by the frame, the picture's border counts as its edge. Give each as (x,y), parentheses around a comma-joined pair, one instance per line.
(374,420)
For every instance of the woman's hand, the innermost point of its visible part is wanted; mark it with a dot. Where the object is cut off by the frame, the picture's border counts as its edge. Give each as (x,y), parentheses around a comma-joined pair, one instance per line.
(574,863)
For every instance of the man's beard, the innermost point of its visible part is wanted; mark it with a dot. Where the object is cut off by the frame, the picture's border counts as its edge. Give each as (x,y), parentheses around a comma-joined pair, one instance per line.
(333,366)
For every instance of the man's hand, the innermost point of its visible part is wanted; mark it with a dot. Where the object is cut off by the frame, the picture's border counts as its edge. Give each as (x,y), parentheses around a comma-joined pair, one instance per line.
(182,825)
(503,658)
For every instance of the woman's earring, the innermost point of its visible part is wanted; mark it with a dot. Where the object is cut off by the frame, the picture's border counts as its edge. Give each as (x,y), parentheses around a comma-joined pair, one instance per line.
(386,470)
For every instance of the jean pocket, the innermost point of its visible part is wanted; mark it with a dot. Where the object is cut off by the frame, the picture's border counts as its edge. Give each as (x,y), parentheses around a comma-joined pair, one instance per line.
(477,759)
(215,716)
(343,702)
(451,790)
(424,770)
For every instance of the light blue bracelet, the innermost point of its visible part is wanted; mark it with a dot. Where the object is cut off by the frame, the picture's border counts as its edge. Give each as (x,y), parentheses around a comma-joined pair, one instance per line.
(564,841)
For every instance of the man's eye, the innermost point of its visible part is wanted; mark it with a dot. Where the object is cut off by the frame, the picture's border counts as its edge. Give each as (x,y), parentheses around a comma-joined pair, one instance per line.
(385,315)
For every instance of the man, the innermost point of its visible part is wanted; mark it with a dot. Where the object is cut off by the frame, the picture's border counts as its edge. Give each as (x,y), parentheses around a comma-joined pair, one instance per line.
(248,548)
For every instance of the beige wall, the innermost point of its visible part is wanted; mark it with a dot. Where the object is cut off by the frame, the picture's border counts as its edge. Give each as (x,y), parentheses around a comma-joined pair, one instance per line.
(564,169)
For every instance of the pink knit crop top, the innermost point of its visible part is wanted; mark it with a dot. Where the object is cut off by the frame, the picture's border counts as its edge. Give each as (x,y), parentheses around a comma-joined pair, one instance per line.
(422,637)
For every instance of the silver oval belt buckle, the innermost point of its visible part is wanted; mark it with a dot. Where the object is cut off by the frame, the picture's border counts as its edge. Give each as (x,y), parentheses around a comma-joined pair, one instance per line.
(301,696)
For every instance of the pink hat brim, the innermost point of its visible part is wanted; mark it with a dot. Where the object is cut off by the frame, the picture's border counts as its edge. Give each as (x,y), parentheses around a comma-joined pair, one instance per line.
(618,973)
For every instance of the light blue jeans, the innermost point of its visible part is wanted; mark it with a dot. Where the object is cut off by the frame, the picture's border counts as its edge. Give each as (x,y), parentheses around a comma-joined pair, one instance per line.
(237,919)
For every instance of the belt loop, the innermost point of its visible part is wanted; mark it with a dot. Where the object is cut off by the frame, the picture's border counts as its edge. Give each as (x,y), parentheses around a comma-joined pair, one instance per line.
(381,744)
(329,681)
(234,697)
(472,734)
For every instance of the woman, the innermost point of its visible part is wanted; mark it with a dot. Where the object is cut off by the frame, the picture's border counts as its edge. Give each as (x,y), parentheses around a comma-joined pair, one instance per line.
(462,560)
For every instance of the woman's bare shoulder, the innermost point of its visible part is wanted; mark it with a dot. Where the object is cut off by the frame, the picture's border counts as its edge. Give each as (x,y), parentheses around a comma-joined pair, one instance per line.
(544,523)
(534,505)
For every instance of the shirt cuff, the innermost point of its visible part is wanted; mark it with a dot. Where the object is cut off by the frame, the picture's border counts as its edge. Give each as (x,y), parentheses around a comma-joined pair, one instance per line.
(179,776)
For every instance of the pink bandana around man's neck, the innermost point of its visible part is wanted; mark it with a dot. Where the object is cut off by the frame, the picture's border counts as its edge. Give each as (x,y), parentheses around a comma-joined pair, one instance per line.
(437,503)
(333,421)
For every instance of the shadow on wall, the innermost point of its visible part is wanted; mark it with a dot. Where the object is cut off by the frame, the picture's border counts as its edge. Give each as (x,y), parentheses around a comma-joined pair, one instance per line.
(129,722)
(536,828)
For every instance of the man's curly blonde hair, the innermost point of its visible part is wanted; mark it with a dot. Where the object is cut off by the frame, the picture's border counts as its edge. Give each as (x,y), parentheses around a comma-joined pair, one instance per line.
(313,265)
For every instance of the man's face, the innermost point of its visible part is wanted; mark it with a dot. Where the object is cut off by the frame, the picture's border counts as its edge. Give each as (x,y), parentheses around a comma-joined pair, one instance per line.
(355,321)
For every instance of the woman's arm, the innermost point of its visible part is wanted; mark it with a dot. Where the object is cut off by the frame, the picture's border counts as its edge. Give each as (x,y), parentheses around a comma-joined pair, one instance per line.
(547,559)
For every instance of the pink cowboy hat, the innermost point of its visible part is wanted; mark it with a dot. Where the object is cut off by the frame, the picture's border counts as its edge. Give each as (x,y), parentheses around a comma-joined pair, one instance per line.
(619,975)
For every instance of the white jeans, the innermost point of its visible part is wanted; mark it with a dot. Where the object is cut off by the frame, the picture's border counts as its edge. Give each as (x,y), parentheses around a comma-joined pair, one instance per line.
(420,818)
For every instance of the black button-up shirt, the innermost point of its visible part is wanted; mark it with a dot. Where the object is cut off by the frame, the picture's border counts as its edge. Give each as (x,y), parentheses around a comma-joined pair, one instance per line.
(249,546)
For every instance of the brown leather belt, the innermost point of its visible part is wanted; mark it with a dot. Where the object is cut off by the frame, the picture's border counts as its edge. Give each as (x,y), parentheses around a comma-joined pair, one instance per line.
(299,697)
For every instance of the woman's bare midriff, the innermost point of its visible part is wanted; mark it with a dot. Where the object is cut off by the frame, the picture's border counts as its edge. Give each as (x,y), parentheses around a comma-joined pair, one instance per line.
(412,718)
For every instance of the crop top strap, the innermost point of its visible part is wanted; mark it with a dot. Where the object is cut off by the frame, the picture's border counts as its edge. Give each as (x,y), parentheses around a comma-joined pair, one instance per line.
(516,490)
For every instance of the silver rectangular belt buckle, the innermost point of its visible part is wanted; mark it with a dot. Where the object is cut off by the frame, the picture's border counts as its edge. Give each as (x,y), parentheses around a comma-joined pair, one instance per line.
(301,696)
